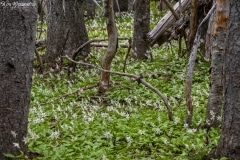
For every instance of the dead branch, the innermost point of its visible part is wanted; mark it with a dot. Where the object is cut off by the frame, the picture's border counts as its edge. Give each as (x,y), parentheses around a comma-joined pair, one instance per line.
(40,43)
(138,78)
(191,63)
(171,9)
(166,22)
(41,47)
(79,49)
(106,45)
(128,53)
(75,53)
(39,60)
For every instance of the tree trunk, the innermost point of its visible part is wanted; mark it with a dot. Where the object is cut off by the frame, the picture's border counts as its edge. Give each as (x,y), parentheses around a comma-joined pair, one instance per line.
(120,5)
(112,47)
(229,143)
(193,22)
(90,8)
(42,7)
(141,28)
(66,29)
(130,5)
(214,104)
(17,43)
(209,37)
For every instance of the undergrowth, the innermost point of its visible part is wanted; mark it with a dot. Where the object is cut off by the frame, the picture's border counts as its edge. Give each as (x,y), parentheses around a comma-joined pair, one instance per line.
(130,121)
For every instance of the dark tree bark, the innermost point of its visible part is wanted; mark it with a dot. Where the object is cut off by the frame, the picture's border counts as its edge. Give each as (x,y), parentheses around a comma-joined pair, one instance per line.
(214,105)
(90,8)
(141,28)
(130,5)
(193,22)
(66,29)
(104,83)
(120,5)
(209,36)
(229,142)
(17,43)
(42,7)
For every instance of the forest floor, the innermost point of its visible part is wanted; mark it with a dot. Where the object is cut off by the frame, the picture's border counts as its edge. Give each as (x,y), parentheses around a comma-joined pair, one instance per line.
(68,121)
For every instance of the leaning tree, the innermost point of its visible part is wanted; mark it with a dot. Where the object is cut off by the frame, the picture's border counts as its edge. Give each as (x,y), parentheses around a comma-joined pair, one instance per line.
(17,43)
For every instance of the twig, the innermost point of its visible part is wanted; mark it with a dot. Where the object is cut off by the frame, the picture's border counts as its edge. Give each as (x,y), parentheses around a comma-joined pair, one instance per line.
(190,67)
(79,49)
(128,52)
(39,60)
(171,9)
(41,47)
(138,78)
(106,45)
(75,53)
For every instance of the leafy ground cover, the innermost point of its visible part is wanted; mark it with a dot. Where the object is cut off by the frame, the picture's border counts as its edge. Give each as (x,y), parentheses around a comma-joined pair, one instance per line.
(130,122)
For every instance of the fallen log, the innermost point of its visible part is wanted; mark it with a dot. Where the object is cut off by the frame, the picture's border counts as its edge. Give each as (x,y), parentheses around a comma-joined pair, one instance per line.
(166,22)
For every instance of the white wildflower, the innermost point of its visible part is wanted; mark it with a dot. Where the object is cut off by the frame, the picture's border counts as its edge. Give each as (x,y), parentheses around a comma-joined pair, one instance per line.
(74,115)
(141,132)
(169,133)
(59,108)
(165,141)
(185,125)
(25,140)
(176,120)
(108,135)
(104,115)
(219,118)
(110,108)
(128,139)
(212,113)
(191,131)
(207,122)
(158,131)
(14,134)
(90,119)
(104,157)
(55,134)
(193,146)
(16,145)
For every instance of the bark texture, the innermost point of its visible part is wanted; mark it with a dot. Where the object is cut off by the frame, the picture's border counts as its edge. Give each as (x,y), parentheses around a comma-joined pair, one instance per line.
(66,29)
(130,5)
(229,144)
(193,22)
(214,105)
(141,28)
(209,36)
(17,44)
(104,83)
(120,5)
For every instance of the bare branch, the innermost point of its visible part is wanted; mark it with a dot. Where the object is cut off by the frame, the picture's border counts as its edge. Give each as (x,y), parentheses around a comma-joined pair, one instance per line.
(171,9)
(190,67)
(138,78)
